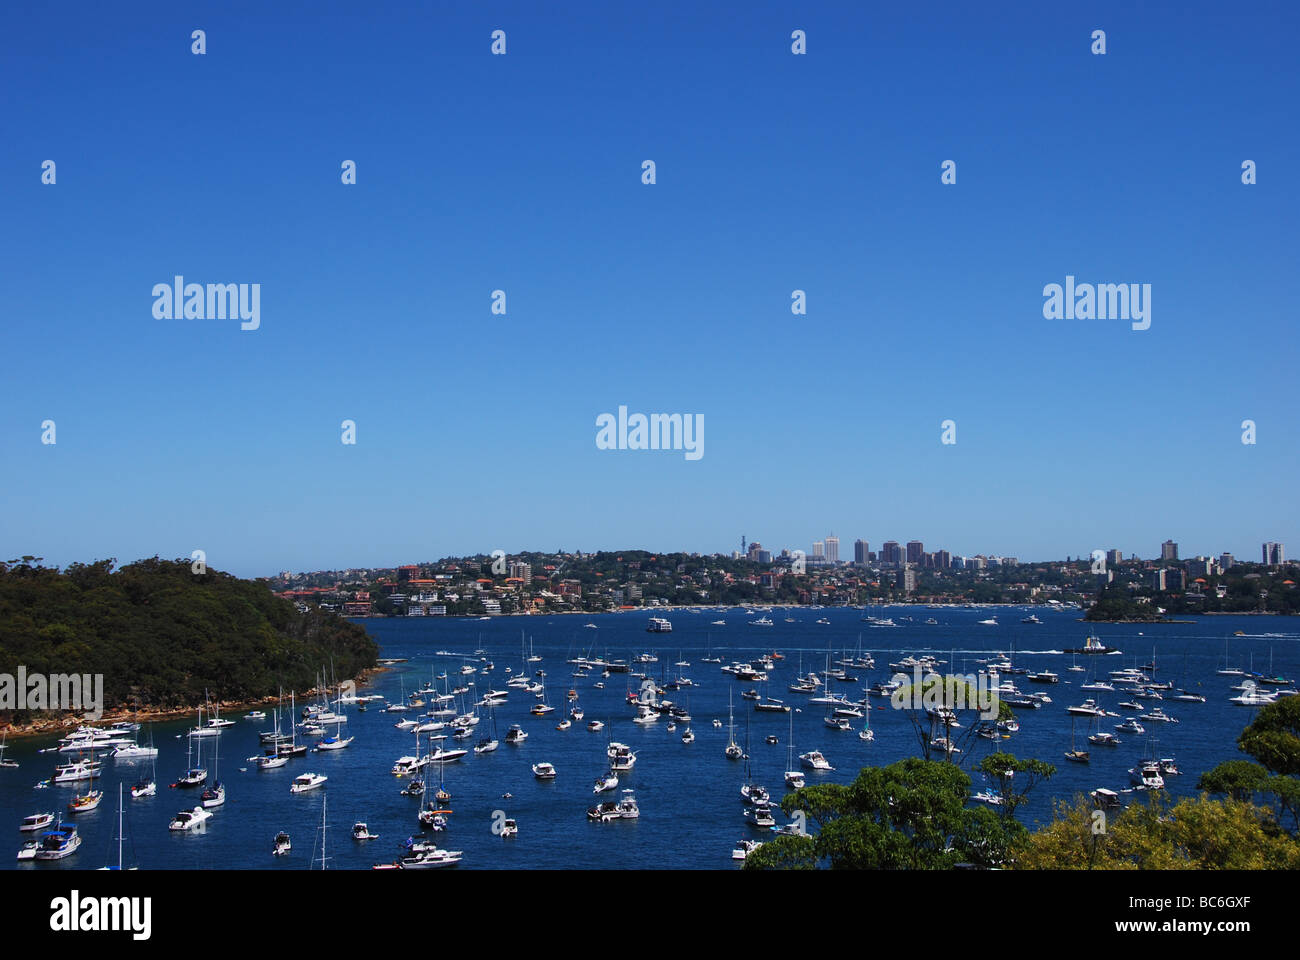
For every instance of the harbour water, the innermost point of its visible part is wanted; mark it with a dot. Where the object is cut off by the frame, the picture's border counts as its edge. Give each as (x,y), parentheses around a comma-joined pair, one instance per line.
(688,794)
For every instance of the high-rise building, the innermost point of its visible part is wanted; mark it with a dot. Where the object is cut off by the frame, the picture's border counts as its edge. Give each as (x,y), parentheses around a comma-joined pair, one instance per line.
(1274,554)
(861,551)
(942,560)
(1226,561)
(754,549)
(1113,558)
(1158,578)
(833,548)
(819,550)
(891,552)
(1169,550)
(907,579)
(915,548)
(521,571)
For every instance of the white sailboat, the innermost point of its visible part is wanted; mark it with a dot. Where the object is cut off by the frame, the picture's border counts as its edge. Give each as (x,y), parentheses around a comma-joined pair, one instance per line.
(733,751)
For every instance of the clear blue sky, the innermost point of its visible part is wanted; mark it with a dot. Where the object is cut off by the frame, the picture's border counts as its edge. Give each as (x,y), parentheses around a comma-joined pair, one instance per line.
(775,172)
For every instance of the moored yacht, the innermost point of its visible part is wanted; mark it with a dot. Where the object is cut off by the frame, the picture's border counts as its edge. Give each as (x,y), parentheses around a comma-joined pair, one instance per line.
(189,820)
(307,781)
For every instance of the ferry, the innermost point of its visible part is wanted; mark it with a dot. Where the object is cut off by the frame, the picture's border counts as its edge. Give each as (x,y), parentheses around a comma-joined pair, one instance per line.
(1092,645)
(659,625)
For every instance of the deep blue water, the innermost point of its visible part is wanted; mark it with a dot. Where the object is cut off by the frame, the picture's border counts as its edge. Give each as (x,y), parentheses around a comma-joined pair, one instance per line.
(688,794)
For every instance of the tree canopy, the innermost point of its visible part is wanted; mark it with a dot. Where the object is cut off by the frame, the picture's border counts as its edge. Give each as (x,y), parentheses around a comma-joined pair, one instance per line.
(162,635)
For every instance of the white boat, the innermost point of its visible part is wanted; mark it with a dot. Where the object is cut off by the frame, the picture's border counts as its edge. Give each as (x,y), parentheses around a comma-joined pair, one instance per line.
(62,841)
(814,760)
(282,844)
(335,743)
(1159,716)
(516,735)
(362,832)
(595,726)
(269,761)
(77,771)
(606,782)
(1088,708)
(306,781)
(990,622)
(623,809)
(1147,776)
(1130,725)
(988,796)
(189,820)
(659,625)
(432,860)
(744,848)
(509,828)
(621,757)
(37,821)
(544,771)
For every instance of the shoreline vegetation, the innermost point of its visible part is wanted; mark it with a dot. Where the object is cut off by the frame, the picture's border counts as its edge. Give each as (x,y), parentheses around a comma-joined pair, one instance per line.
(166,638)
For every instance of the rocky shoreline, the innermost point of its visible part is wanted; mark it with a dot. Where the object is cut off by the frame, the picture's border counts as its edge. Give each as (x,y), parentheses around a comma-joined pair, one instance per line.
(57,723)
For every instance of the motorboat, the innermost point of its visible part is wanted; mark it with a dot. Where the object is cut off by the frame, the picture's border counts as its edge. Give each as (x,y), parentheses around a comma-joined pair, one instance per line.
(189,820)
(688,736)
(814,760)
(307,781)
(282,844)
(1104,799)
(544,771)
(37,821)
(760,817)
(1159,716)
(622,809)
(1130,725)
(1147,776)
(659,625)
(509,828)
(1088,708)
(362,832)
(58,843)
(516,735)
(608,781)
(621,757)
(77,771)
(595,726)
(744,848)
(431,860)
(1102,739)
